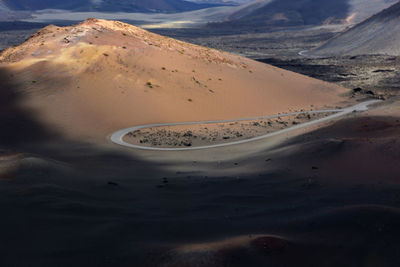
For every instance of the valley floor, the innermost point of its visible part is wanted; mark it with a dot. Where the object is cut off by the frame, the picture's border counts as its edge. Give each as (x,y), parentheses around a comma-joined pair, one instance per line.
(324,196)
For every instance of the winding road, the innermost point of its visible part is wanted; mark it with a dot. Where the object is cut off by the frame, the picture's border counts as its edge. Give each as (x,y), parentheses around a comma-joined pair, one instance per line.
(118,136)
(301,53)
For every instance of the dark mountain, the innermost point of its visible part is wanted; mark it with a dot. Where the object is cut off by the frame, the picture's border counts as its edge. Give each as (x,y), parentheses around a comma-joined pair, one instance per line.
(3,7)
(292,13)
(107,5)
(230,2)
(379,34)
(304,12)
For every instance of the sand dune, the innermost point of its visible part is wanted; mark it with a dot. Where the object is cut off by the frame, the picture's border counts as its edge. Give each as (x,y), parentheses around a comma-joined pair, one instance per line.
(99,76)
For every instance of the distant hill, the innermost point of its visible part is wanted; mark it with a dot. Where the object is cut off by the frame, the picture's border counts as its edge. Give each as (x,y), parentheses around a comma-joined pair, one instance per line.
(3,7)
(305,12)
(229,2)
(107,5)
(379,34)
(9,15)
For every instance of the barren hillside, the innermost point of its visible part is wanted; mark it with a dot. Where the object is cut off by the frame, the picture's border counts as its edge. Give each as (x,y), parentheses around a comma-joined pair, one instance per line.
(100,76)
(378,35)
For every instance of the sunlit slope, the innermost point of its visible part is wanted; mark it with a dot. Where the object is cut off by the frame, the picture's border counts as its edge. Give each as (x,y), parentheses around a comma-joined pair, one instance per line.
(99,76)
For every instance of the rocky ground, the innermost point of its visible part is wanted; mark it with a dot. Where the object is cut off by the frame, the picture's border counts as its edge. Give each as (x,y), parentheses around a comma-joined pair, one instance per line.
(283,43)
(367,74)
(208,134)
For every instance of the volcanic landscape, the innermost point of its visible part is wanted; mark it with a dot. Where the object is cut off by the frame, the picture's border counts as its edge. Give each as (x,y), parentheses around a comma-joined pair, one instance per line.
(124,147)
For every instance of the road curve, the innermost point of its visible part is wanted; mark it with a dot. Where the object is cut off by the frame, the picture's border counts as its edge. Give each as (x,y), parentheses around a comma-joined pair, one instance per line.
(301,53)
(118,136)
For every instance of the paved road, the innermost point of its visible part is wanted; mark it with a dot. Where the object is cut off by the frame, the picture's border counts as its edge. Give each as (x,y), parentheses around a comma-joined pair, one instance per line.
(117,137)
(301,53)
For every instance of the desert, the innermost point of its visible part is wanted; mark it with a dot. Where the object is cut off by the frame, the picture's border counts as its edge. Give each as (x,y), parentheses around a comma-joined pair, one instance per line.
(125,146)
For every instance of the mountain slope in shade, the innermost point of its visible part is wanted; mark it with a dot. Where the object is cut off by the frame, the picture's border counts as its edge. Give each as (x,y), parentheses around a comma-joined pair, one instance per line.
(9,15)
(107,5)
(306,12)
(3,7)
(378,35)
(100,76)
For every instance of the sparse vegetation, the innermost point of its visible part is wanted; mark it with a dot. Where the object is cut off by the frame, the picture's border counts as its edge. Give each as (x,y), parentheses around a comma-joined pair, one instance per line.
(177,136)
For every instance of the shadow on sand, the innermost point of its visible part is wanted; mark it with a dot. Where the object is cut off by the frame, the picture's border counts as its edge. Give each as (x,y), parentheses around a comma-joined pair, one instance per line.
(75,204)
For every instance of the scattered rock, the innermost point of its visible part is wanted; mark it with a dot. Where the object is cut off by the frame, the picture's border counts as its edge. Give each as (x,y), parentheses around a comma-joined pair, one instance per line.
(186,143)
(382,70)
(369,92)
(188,134)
